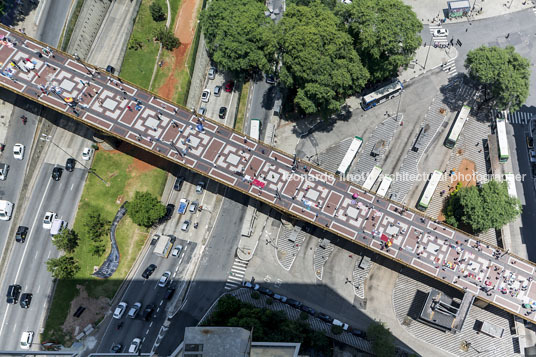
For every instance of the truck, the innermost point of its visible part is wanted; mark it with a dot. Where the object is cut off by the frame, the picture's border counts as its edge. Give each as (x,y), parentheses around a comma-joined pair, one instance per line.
(163,246)
(6,209)
(183,205)
(57,226)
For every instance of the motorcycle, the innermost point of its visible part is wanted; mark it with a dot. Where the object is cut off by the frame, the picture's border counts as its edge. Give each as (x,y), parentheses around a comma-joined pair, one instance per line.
(120,325)
(24,119)
(196,225)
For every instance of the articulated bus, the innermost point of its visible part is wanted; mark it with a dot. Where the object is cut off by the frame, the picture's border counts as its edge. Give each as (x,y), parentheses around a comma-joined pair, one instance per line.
(501,139)
(457,126)
(511,184)
(381,95)
(428,192)
(349,156)
(255,128)
(372,177)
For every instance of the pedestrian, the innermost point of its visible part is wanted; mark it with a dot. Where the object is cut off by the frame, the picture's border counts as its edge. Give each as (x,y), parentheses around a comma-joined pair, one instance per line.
(129,108)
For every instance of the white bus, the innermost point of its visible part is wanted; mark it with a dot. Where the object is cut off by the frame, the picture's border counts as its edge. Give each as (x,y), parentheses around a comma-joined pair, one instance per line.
(457,126)
(372,177)
(501,139)
(511,184)
(255,128)
(381,95)
(384,186)
(350,155)
(428,192)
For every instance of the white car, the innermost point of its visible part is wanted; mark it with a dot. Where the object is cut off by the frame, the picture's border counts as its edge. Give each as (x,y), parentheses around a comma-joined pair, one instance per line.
(47,220)
(18,151)
(135,346)
(205,96)
(134,310)
(26,340)
(211,73)
(86,154)
(176,251)
(120,310)
(164,279)
(441,32)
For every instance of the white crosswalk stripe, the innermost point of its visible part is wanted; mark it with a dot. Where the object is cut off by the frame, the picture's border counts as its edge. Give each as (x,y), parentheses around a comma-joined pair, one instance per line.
(450,67)
(236,275)
(518,117)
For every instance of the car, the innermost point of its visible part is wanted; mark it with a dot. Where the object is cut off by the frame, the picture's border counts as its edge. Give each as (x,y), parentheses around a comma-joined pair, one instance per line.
(120,310)
(21,234)
(4,169)
(134,346)
(336,322)
(176,251)
(116,348)
(266,291)
(223,112)
(164,279)
(200,186)
(169,293)
(250,285)
(86,153)
(294,303)
(280,297)
(212,73)
(217,91)
(270,79)
(70,164)
(18,151)
(170,207)
(148,271)
(13,292)
(110,69)
(307,309)
(324,317)
(532,155)
(154,240)
(148,312)
(358,333)
(133,312)
(193,206)
(185,226)
(205,96)
(25,300)
(441,32)
(530,142)
(202,111)
(47,220)
(229,86)
(26,340)
(56,173)
(178,183)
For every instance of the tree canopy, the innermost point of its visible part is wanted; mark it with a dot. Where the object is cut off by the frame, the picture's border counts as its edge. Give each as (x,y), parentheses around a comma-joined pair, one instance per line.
(145,209)
(482,208)
(318,58)
(238,35)
(504,73)
(386,34)
(157,13)
(66,240)
(382,339)
(96,225)
(64,267)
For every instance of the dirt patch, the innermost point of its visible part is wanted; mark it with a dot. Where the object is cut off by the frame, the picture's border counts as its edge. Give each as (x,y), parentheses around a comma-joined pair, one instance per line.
(139,166)
(185,23)
(465,173)
(95,310)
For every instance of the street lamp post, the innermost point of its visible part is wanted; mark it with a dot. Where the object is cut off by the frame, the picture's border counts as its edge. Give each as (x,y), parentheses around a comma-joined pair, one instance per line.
(427,53)
(82,63)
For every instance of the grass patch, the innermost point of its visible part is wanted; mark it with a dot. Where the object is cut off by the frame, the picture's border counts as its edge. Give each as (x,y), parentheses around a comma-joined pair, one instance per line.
(66,36)
(241,116)
(125,177)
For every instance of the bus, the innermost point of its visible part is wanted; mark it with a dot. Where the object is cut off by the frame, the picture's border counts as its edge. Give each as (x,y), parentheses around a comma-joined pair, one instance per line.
(349,156)
(428,192)
(381,95)
(384,186)
(255,128)
(372,177)
(457,126)
(511,184)
(501,139)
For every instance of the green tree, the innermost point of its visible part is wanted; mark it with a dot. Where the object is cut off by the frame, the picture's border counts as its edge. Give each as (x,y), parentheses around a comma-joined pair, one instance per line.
(329,3)
(319,62)
(386,34)
(504,74)
(64,267)
(482,208)
(98,248)
(239,36)
(66,240)
(157,13)
(167,38)
(382,339)
(145,209)
(96,225)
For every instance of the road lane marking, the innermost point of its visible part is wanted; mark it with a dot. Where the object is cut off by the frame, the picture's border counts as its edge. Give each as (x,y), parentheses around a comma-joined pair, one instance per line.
(72,186)
(161,303)
(38,288)
(151,324)
(147,332)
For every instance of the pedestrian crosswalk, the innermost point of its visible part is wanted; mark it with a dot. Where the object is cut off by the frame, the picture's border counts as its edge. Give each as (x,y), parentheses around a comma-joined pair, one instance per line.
(236,275)
(438,38)
(450,67)
(518,117)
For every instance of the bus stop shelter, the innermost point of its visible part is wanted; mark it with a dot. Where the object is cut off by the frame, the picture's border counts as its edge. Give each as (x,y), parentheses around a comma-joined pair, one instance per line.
(458,8)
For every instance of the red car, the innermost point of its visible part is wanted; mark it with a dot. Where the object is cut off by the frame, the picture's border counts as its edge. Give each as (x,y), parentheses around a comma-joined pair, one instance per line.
(229,86)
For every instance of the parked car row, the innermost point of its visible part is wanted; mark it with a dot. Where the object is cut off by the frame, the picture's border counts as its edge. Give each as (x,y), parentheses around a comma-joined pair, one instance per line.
(298,305)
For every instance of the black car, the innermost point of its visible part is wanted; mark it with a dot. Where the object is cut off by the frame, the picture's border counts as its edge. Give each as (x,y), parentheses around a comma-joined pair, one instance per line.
(307,309)
(21,234)
(178,183)
(149,271)
(169,293)
(148,312)
(13,292)
(69,164)
(324,317)
(25,300)
(294,303)
(358,333)
(223,112)
(116,348)
(110,69)
(172,239)
(155,239)
(56,173)
(169,211)
(265,291)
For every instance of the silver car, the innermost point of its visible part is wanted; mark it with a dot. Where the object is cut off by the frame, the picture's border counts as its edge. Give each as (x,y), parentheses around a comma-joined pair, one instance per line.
(185,226)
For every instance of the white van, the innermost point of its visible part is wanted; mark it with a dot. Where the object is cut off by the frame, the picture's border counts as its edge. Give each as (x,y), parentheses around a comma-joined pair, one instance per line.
(6,209)
(57,226)
(26,340)
(341,324)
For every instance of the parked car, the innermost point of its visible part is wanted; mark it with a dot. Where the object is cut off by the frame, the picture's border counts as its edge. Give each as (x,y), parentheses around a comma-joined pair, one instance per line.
(25,300)
(178,183)
(205,96)
(116,348)
(133,312)
(212,73)
(223,112)
(176,251)
(148,271)
(148,312)
(280,297)
(270,79)
(21,234)
(70,164)
(200,186)
(266,291)
(202,111)
(324,317)
(307,309)
(120,310)
(86,153)
(229,86)
(193,206)
(530,142)
(441,32)
(18,151)
(110,69)
(134,346)
(164,279)
(358,333)
(47,220)
(13,293)
(185,226)
(56,173)
(294,303)
(154,240)
(340,324)
(26,340)
(250,285)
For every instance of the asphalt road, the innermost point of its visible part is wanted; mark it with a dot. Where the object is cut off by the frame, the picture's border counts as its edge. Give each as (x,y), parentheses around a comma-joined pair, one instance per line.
(209,281)
(51,22)
(26,264)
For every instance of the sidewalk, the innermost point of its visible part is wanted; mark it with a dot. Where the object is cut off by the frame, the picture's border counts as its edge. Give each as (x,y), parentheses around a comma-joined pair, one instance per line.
(426,59)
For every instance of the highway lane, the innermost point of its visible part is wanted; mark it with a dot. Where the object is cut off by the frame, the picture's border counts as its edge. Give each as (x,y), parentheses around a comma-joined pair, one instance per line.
(51,23)
(26,265)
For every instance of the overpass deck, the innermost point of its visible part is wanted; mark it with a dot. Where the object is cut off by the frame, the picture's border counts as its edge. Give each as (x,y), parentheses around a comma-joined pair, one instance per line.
(58,81)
